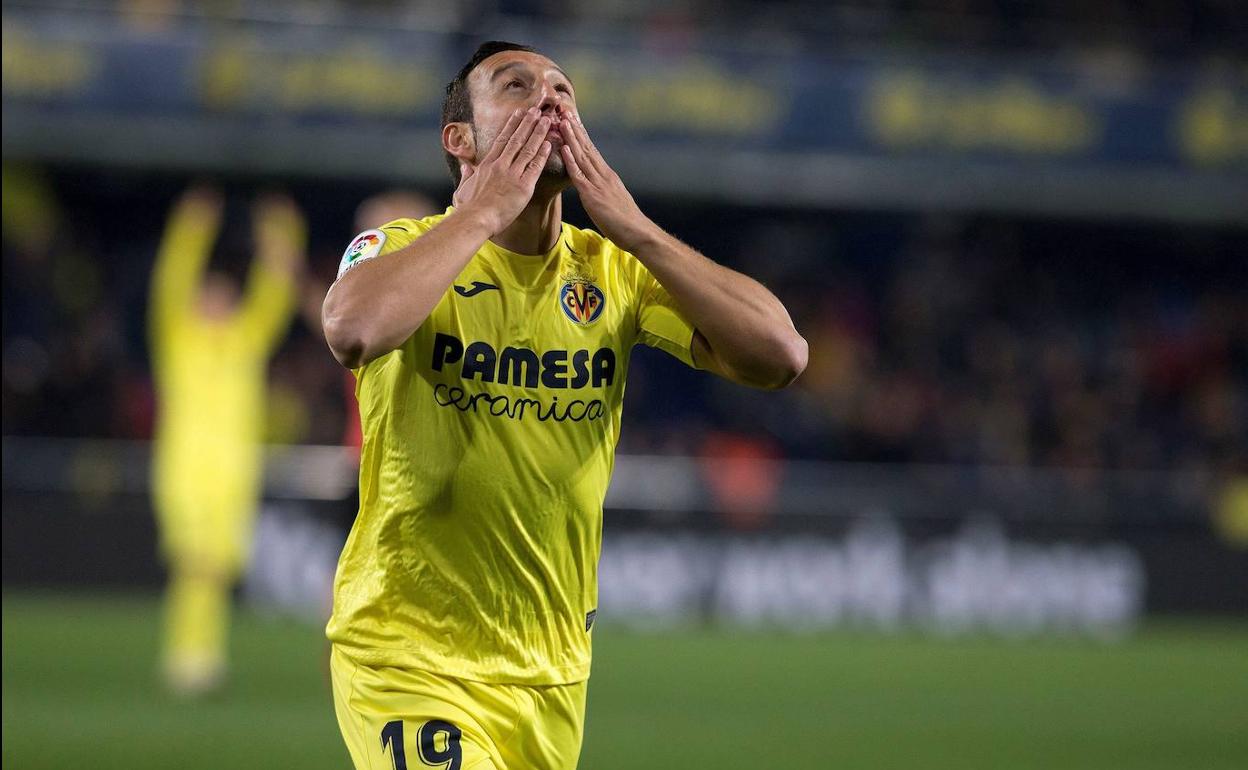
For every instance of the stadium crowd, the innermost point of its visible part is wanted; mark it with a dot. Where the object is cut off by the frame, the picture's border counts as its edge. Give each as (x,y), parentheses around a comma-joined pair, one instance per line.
(934,339)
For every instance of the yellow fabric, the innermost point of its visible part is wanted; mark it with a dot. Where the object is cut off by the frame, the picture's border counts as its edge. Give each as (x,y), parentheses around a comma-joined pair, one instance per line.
(196,624)
(475,551)
(1230,518)
(385,712)
(210,382)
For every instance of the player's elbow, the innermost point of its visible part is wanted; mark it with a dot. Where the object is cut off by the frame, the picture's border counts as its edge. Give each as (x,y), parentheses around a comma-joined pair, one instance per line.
(788,361)
(344,334)
(785,361)
(774,366)
(347,347)
(355,341)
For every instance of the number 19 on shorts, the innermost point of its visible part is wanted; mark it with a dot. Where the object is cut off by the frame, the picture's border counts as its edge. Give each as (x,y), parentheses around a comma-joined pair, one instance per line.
(437,743)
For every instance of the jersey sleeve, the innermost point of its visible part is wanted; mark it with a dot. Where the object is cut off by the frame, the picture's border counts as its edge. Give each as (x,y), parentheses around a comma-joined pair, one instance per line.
(660,324)
(184,251)
(386,239)
(269,302)
(269,305)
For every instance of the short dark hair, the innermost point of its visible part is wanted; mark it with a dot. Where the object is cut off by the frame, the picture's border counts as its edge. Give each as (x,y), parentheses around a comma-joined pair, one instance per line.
(457,106)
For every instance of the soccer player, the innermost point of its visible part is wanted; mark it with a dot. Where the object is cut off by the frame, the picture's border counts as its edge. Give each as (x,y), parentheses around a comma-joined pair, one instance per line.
(210,355)
(490,345)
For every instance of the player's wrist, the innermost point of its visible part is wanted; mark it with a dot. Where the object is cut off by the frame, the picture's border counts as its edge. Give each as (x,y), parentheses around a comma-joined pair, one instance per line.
(478,219)
(640,236)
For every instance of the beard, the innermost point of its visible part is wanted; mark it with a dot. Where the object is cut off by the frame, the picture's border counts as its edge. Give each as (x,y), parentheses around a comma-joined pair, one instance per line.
(554,169)
(554,165)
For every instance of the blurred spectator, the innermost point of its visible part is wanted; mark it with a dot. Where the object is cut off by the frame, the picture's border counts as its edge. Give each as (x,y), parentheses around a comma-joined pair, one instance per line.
(385,207)
(743,477)
(1231,512)
(210,348)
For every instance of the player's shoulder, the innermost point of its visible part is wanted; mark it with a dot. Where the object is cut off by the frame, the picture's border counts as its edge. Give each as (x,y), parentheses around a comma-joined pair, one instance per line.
(412,227)
(591,245)
(580,239)
(388,238)
(598,258)
(596,245)
(584,241)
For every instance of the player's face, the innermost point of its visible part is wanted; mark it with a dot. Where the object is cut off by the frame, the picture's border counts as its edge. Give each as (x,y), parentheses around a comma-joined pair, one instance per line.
(218,296)
(519,80)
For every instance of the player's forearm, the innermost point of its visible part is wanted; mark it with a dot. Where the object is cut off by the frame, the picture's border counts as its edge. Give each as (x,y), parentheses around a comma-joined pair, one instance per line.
(270,303)
(746,326)
(377,305)
(275,275)
(184,251)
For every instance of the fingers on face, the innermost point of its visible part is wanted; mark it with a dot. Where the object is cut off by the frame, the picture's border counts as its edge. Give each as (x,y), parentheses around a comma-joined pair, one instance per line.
(591,150)
(577,144)
(579,129)
(534,142)
(520,137)
(569,161)
(509,129)
(538,161)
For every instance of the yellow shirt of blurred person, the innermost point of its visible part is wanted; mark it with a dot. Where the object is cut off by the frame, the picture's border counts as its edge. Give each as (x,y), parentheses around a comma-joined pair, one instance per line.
(489,440)
(210,369)
(1230,519)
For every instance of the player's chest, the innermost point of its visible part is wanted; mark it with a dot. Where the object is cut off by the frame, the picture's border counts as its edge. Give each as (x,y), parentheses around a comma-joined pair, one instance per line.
(551,335)
(561,311)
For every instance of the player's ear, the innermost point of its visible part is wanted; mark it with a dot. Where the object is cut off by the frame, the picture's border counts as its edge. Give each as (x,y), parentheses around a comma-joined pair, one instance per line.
(458,140)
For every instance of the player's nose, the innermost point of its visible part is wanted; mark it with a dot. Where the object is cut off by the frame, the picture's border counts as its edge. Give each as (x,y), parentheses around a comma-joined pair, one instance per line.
(548,101)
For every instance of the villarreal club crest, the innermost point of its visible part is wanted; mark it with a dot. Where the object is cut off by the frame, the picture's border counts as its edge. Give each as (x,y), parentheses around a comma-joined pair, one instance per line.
(581,301)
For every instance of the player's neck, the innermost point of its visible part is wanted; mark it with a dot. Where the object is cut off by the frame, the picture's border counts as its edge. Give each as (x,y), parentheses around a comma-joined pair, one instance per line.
(536,230)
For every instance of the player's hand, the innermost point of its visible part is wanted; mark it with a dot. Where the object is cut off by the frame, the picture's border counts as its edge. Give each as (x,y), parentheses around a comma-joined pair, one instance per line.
(203,204)
(279,231)
(501,186)
(606,199)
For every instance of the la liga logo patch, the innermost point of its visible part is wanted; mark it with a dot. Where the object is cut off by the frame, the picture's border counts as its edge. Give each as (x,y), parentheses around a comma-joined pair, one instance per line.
(365,246)
(581,301)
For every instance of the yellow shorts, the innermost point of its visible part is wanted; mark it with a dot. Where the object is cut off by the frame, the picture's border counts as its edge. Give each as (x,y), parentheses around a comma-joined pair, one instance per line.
(207,537)
(396,718)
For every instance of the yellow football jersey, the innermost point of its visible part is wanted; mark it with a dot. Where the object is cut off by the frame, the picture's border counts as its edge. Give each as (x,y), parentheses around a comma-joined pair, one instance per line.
(489,439)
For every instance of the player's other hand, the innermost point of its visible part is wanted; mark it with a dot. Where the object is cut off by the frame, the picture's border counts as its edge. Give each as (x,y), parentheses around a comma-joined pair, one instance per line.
(498,188)
(602,192)
(203,203)
(279,231)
